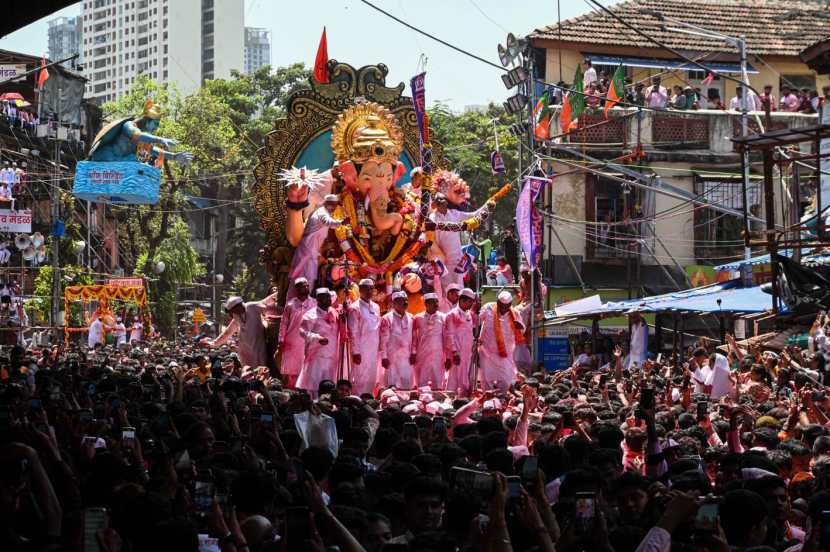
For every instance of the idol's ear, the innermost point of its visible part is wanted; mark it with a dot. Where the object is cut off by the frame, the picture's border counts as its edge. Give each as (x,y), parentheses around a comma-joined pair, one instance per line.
(349,173)
(399,170)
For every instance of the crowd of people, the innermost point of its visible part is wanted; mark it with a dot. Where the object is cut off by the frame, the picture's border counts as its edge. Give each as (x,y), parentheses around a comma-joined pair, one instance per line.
(185,446)
(689,96)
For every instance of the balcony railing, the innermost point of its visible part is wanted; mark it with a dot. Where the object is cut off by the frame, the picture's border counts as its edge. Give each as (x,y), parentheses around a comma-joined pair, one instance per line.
(709,130)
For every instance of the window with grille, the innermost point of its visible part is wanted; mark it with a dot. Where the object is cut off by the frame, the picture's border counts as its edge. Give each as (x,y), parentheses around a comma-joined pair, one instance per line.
(719,236)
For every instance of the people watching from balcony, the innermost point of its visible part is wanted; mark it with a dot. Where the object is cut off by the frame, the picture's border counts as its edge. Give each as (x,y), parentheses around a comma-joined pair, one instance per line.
(656,95)
(768,98)
(636,95)
(589,74)
(789,101)
(753,103)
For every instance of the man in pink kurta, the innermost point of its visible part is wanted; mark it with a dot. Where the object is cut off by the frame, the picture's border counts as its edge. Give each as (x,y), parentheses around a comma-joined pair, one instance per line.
(290,345)
(364,333)
(248,323)
(459,343)
(450,298)
(306,259)
(428,344)
(319,330)
(497,365)
(396,344)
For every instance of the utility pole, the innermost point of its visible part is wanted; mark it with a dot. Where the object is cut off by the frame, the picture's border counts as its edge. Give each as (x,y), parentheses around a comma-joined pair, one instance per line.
(55,192)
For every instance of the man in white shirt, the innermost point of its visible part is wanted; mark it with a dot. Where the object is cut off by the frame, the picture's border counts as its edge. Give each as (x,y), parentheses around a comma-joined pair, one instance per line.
(656,95)
(639,339)
(136,333)
(719,383)
(589,74)
(396,343)
(699,369)
(120,332)
(96,333)
(753,102)
(364,332)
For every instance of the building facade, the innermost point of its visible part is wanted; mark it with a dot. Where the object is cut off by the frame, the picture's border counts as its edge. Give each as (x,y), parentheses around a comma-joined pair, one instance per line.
(65,39)
(171,41)
(257,48)
(657,235)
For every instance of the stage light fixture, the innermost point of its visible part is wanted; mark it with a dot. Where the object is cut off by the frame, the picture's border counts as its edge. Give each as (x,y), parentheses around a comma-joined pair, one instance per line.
(514,77)
(519,129)
(515,104)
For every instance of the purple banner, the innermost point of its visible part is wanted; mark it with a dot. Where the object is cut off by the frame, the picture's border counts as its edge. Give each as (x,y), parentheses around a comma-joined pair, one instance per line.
(529,221)
(419,102)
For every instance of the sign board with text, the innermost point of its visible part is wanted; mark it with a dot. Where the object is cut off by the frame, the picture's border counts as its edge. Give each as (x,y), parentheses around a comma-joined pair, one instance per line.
(10,71)
(126,282)
(15,221)
(555,353)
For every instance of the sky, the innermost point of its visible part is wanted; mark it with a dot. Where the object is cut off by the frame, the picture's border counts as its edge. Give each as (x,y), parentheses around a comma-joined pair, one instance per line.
(359,35)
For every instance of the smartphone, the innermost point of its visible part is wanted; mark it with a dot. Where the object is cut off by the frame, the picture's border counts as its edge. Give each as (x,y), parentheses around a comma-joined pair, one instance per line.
(297,526)
(702,410)
(95,519)
(824,536)
(585,511)
(514,487)
(439,424)
(128,435)
(410,430)
(85,416)
(35,404)
(473,483)
(266,418)
(707,517)
(203,492)
(530,470)
(647,398)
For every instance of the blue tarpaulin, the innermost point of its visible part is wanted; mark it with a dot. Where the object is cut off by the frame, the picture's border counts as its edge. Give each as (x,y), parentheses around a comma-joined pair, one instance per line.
(733,298)
(651,63)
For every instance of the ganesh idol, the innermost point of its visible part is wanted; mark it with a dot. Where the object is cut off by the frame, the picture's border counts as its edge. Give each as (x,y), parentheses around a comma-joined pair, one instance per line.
(358,192)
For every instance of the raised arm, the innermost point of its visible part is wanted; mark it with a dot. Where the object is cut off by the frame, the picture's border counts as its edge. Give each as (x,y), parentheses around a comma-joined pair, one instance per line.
(226,334)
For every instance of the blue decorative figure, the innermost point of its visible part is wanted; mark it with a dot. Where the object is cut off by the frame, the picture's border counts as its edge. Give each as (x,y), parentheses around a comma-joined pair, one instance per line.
(119,169)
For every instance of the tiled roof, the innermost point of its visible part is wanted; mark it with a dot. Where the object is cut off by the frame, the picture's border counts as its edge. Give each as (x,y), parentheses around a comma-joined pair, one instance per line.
(770,27)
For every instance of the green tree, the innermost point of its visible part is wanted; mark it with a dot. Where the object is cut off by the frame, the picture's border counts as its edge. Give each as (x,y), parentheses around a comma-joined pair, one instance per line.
(468,140)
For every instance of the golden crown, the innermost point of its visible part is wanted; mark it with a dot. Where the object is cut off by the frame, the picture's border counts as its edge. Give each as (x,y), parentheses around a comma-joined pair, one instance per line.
(367,131)
(152,110)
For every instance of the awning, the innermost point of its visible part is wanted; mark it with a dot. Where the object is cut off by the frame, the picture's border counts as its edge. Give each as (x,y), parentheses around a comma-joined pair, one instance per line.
(654,63)
(733,299)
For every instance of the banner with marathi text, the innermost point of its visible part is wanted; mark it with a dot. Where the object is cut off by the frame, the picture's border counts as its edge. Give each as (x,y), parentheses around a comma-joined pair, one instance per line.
(15,221)
(529,221)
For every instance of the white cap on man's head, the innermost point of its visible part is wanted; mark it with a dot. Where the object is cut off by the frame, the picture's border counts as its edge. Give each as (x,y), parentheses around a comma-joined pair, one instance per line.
(321,291)
(430,296)
(399,295)
(505,297)
(366,282)
(467,292)
(233,301)
(302,280)
(416,170)
(331,198)
(453,287)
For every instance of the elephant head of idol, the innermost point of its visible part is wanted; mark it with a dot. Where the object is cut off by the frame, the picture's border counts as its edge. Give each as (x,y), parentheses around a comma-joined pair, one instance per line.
(367,143)
(454,188)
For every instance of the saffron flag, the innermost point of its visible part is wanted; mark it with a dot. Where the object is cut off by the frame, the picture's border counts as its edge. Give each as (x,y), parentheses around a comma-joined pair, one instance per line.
(708,80)
(573,105)
(43,75)
(541,117)
(616,89)
(321,72)
(565,114)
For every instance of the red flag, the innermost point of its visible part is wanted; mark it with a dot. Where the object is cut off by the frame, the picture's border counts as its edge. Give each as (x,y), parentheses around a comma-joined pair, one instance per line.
(43,75)
(708,80)
(321,72)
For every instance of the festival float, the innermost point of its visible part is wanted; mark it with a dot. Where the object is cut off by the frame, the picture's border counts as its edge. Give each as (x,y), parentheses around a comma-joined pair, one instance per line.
(352,137)
(108,301)
(125,161)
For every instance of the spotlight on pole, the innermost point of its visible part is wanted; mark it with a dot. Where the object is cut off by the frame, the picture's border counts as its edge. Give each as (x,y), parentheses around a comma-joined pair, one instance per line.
(514,77)
(519,129)
(515,104)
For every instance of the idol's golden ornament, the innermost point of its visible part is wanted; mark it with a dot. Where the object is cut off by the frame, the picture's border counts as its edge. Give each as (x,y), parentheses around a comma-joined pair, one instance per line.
(367,131)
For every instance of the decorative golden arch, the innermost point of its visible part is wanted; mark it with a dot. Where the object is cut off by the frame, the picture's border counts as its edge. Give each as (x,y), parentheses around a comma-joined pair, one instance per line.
(311,113)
